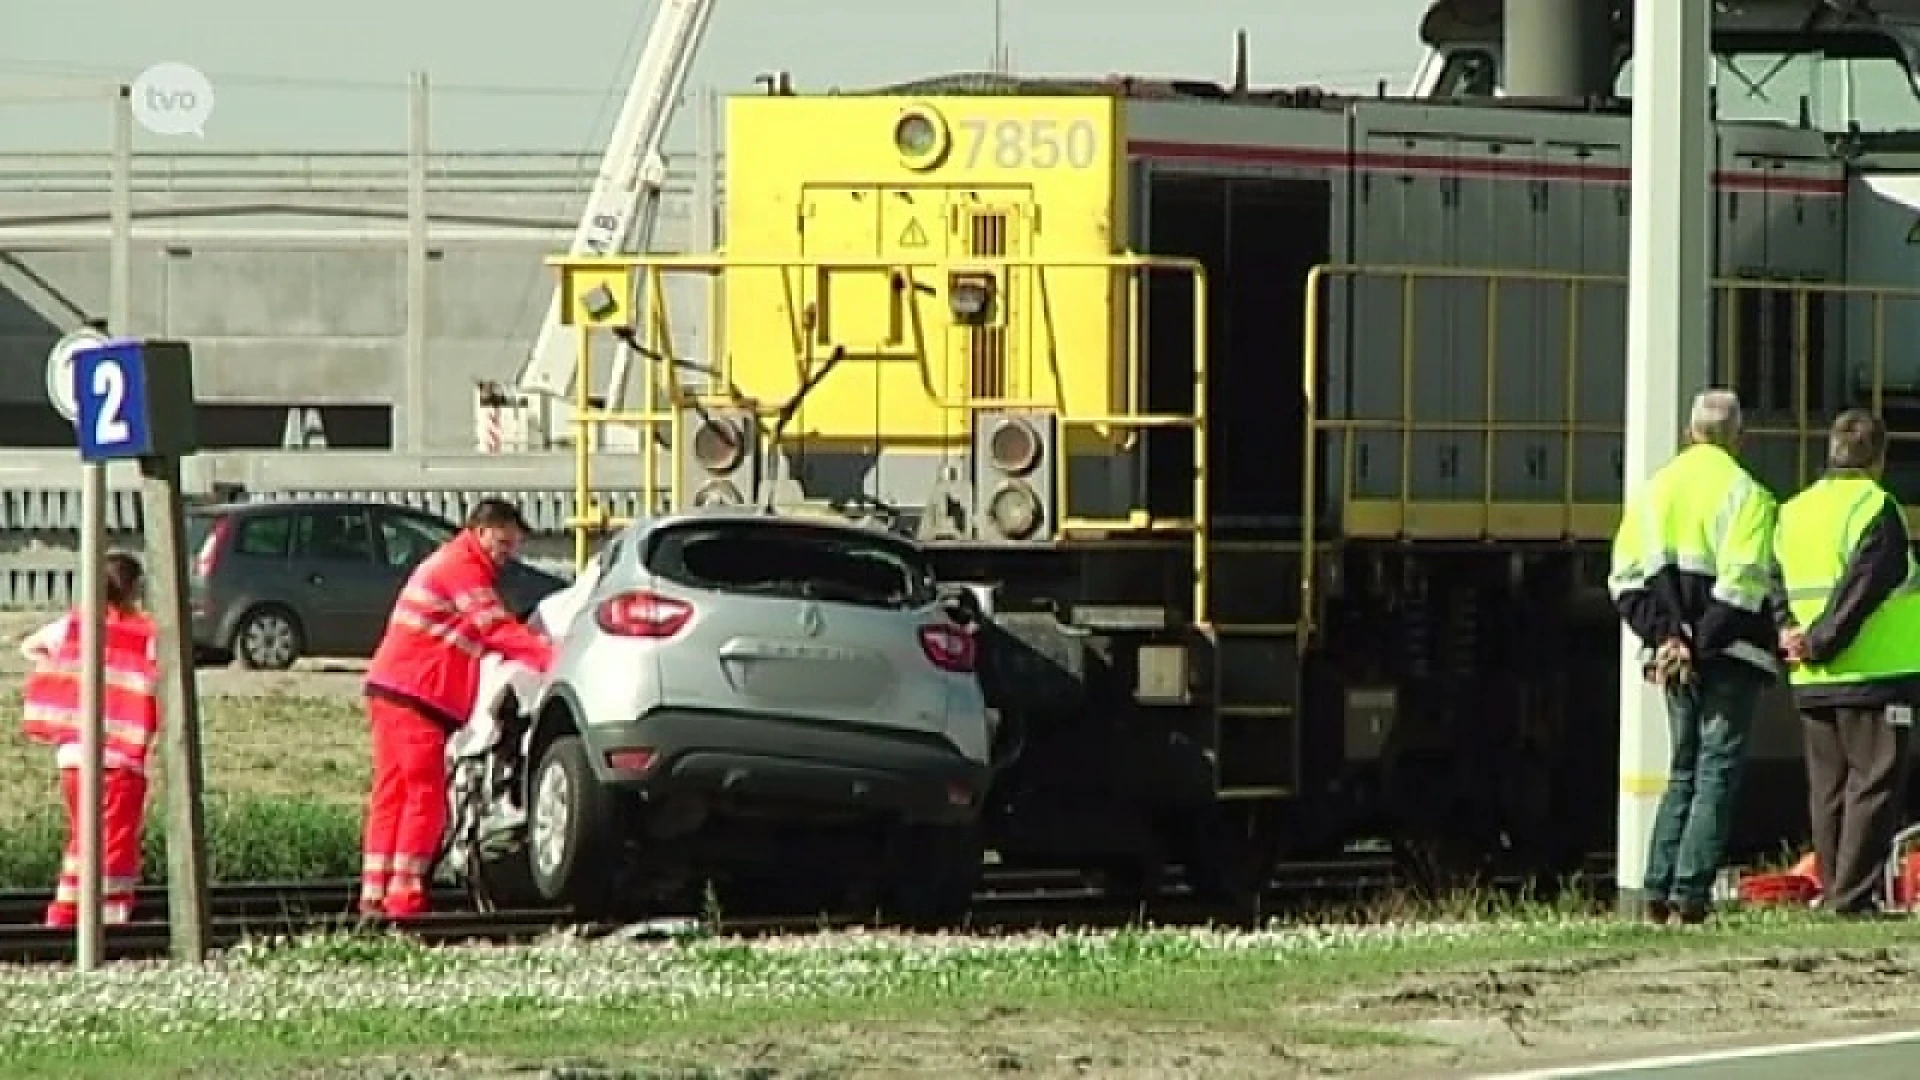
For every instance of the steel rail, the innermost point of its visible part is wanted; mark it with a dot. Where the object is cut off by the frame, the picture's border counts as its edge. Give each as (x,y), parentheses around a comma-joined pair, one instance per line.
(1325,891)
(254,899)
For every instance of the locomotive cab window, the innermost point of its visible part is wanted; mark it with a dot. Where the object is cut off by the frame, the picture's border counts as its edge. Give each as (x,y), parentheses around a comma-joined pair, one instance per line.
(1837,81)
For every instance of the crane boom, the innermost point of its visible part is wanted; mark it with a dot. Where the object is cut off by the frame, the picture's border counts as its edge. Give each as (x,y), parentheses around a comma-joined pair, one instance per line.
(625,201)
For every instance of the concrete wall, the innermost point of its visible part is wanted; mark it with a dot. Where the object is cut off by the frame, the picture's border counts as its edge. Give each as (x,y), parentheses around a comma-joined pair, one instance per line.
(287,273)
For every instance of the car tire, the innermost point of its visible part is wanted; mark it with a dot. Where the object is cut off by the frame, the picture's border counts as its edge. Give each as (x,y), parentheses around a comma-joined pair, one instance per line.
(933,873)
(570,829)
(268,638)
(502,882)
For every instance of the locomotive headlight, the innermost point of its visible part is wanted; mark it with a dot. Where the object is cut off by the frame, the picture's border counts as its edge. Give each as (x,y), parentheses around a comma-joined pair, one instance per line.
(921,138)
(719,445)
(1015,510)
(718,493)
(969,296)
(1014,447)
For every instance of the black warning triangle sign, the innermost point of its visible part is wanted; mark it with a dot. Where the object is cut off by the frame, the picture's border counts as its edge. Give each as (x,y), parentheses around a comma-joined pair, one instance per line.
(913,236)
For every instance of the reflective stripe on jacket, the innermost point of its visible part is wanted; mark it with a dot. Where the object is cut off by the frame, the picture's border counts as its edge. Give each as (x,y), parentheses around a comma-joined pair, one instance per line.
(1692,559)
(447,617)
(130,705)
(1819,537)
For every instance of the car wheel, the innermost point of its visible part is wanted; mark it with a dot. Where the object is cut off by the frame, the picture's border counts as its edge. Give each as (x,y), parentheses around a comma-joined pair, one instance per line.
(569,829)
(934,872)
(501,882)
(268,638)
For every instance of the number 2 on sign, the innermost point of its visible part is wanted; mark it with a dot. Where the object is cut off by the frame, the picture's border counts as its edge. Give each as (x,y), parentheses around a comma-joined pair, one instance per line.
(110,383)
(1037,142)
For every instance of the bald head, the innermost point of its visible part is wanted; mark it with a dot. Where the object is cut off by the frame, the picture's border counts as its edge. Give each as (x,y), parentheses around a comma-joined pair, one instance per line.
(1715,418)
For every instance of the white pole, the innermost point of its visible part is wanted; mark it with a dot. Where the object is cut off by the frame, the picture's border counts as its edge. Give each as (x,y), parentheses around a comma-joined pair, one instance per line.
(1668,308)
(413,413)
(93,497)
(93,543)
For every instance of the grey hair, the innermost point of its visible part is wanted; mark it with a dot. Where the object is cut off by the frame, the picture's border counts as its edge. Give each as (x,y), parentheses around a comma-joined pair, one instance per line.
(1715,417)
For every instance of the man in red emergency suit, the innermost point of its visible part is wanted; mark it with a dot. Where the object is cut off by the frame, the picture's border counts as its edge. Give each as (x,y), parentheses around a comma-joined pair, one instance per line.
(420,688)
(130,717)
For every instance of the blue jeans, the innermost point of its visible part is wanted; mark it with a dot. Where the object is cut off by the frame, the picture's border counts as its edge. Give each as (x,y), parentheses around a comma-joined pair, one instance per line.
(1708,723)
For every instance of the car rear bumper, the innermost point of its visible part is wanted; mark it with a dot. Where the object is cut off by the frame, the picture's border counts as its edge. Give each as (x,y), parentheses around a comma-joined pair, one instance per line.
(751,758)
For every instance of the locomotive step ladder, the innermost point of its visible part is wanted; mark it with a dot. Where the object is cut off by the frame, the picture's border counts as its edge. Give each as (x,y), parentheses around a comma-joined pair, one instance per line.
(1254,601)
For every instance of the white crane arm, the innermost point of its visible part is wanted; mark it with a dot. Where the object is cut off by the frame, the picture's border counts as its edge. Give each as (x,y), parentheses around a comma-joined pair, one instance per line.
(620,210)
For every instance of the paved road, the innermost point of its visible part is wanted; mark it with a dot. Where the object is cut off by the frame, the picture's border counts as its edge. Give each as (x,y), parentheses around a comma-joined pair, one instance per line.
(1890,1056)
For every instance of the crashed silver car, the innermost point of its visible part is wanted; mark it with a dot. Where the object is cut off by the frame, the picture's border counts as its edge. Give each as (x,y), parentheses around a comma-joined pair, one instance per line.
(737,696)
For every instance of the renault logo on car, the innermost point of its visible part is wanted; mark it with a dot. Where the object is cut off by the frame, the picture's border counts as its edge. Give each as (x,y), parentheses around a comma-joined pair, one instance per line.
(811,620)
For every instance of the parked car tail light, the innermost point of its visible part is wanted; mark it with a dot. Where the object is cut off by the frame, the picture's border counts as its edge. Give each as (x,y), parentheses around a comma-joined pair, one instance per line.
(642,614)
(637,759)
(949,648)
(209,554)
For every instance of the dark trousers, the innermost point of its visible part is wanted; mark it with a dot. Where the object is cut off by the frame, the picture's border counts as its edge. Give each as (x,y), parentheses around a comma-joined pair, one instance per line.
(1856,797)
(1708,723)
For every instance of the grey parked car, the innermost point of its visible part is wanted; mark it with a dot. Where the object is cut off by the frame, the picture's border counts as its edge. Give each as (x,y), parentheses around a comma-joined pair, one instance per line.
(270,582)
(781,696)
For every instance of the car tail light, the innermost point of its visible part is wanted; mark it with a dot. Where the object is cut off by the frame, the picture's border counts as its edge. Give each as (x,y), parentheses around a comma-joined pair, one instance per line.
(209,554)
(636,759)
(642,614)
(949,648)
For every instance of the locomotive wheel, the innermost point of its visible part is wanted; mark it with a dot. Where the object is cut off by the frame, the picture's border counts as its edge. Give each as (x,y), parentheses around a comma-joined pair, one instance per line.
(1228,854)
(933,873)
(1130,880)
(1438,867)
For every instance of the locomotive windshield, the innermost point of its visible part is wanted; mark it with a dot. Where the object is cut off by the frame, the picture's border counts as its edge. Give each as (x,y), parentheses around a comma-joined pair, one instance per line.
(1874,91)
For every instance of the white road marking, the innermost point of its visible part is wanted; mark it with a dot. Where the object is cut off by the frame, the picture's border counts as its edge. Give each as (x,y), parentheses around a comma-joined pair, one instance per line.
(1709,1057)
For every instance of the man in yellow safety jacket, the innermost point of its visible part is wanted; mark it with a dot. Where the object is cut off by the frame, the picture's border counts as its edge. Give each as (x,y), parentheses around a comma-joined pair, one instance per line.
(1852,640)
(1691,578)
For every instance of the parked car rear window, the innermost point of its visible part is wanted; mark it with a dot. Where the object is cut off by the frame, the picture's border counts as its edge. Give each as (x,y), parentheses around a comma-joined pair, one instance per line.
(782,559)
(263,534)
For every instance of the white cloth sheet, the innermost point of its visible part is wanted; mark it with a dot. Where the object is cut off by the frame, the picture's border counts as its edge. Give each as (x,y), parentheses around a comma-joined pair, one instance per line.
(498,675)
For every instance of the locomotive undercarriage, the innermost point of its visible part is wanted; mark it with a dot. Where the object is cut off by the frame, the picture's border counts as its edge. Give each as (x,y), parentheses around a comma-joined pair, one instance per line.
(1458,704)
(1109,734)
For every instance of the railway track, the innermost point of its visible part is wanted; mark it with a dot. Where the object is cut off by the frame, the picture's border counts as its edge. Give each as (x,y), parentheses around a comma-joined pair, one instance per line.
(1011,901)
(269,900)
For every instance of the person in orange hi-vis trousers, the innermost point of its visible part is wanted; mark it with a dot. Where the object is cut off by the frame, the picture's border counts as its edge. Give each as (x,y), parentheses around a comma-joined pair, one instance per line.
(420,689)
(130,711)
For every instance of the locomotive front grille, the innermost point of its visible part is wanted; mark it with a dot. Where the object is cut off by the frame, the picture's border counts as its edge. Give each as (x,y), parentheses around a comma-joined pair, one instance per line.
(987,345)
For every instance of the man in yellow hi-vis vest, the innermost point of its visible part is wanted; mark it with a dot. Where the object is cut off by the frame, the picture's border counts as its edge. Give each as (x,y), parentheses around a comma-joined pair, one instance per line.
(1691,578)
(1853,645)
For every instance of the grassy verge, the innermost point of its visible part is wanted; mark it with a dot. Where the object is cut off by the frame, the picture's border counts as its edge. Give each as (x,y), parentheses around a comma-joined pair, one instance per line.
(285,780)
(298,1005)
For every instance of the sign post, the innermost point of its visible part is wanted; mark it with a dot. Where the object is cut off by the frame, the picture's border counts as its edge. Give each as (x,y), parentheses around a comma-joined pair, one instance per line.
(135,402)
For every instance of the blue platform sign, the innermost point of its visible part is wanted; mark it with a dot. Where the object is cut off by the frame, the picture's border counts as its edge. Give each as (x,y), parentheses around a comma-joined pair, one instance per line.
(110,388)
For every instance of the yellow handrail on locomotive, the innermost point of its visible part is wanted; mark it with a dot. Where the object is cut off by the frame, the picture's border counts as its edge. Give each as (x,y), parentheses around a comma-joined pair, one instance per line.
(1573,519)
(614,279)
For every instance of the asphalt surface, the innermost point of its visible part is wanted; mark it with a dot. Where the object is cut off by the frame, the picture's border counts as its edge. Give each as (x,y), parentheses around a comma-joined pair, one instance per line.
(1886,1056)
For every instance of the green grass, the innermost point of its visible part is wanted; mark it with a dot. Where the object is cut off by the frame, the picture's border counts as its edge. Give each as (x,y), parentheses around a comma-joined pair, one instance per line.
(286,777)
(831,1007)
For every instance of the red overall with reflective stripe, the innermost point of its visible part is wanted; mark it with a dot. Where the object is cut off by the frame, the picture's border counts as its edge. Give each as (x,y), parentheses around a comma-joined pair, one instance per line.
(130,711)
(421,686)
(447,617)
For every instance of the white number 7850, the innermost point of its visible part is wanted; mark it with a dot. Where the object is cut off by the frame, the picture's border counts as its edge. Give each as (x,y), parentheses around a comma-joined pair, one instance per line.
(1038,142)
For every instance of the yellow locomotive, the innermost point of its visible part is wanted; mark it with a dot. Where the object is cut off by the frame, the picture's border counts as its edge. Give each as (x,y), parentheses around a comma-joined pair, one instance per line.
(1282,430)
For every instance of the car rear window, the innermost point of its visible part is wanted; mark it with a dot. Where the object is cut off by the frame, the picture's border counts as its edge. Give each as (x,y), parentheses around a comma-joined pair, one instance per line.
(783,559)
